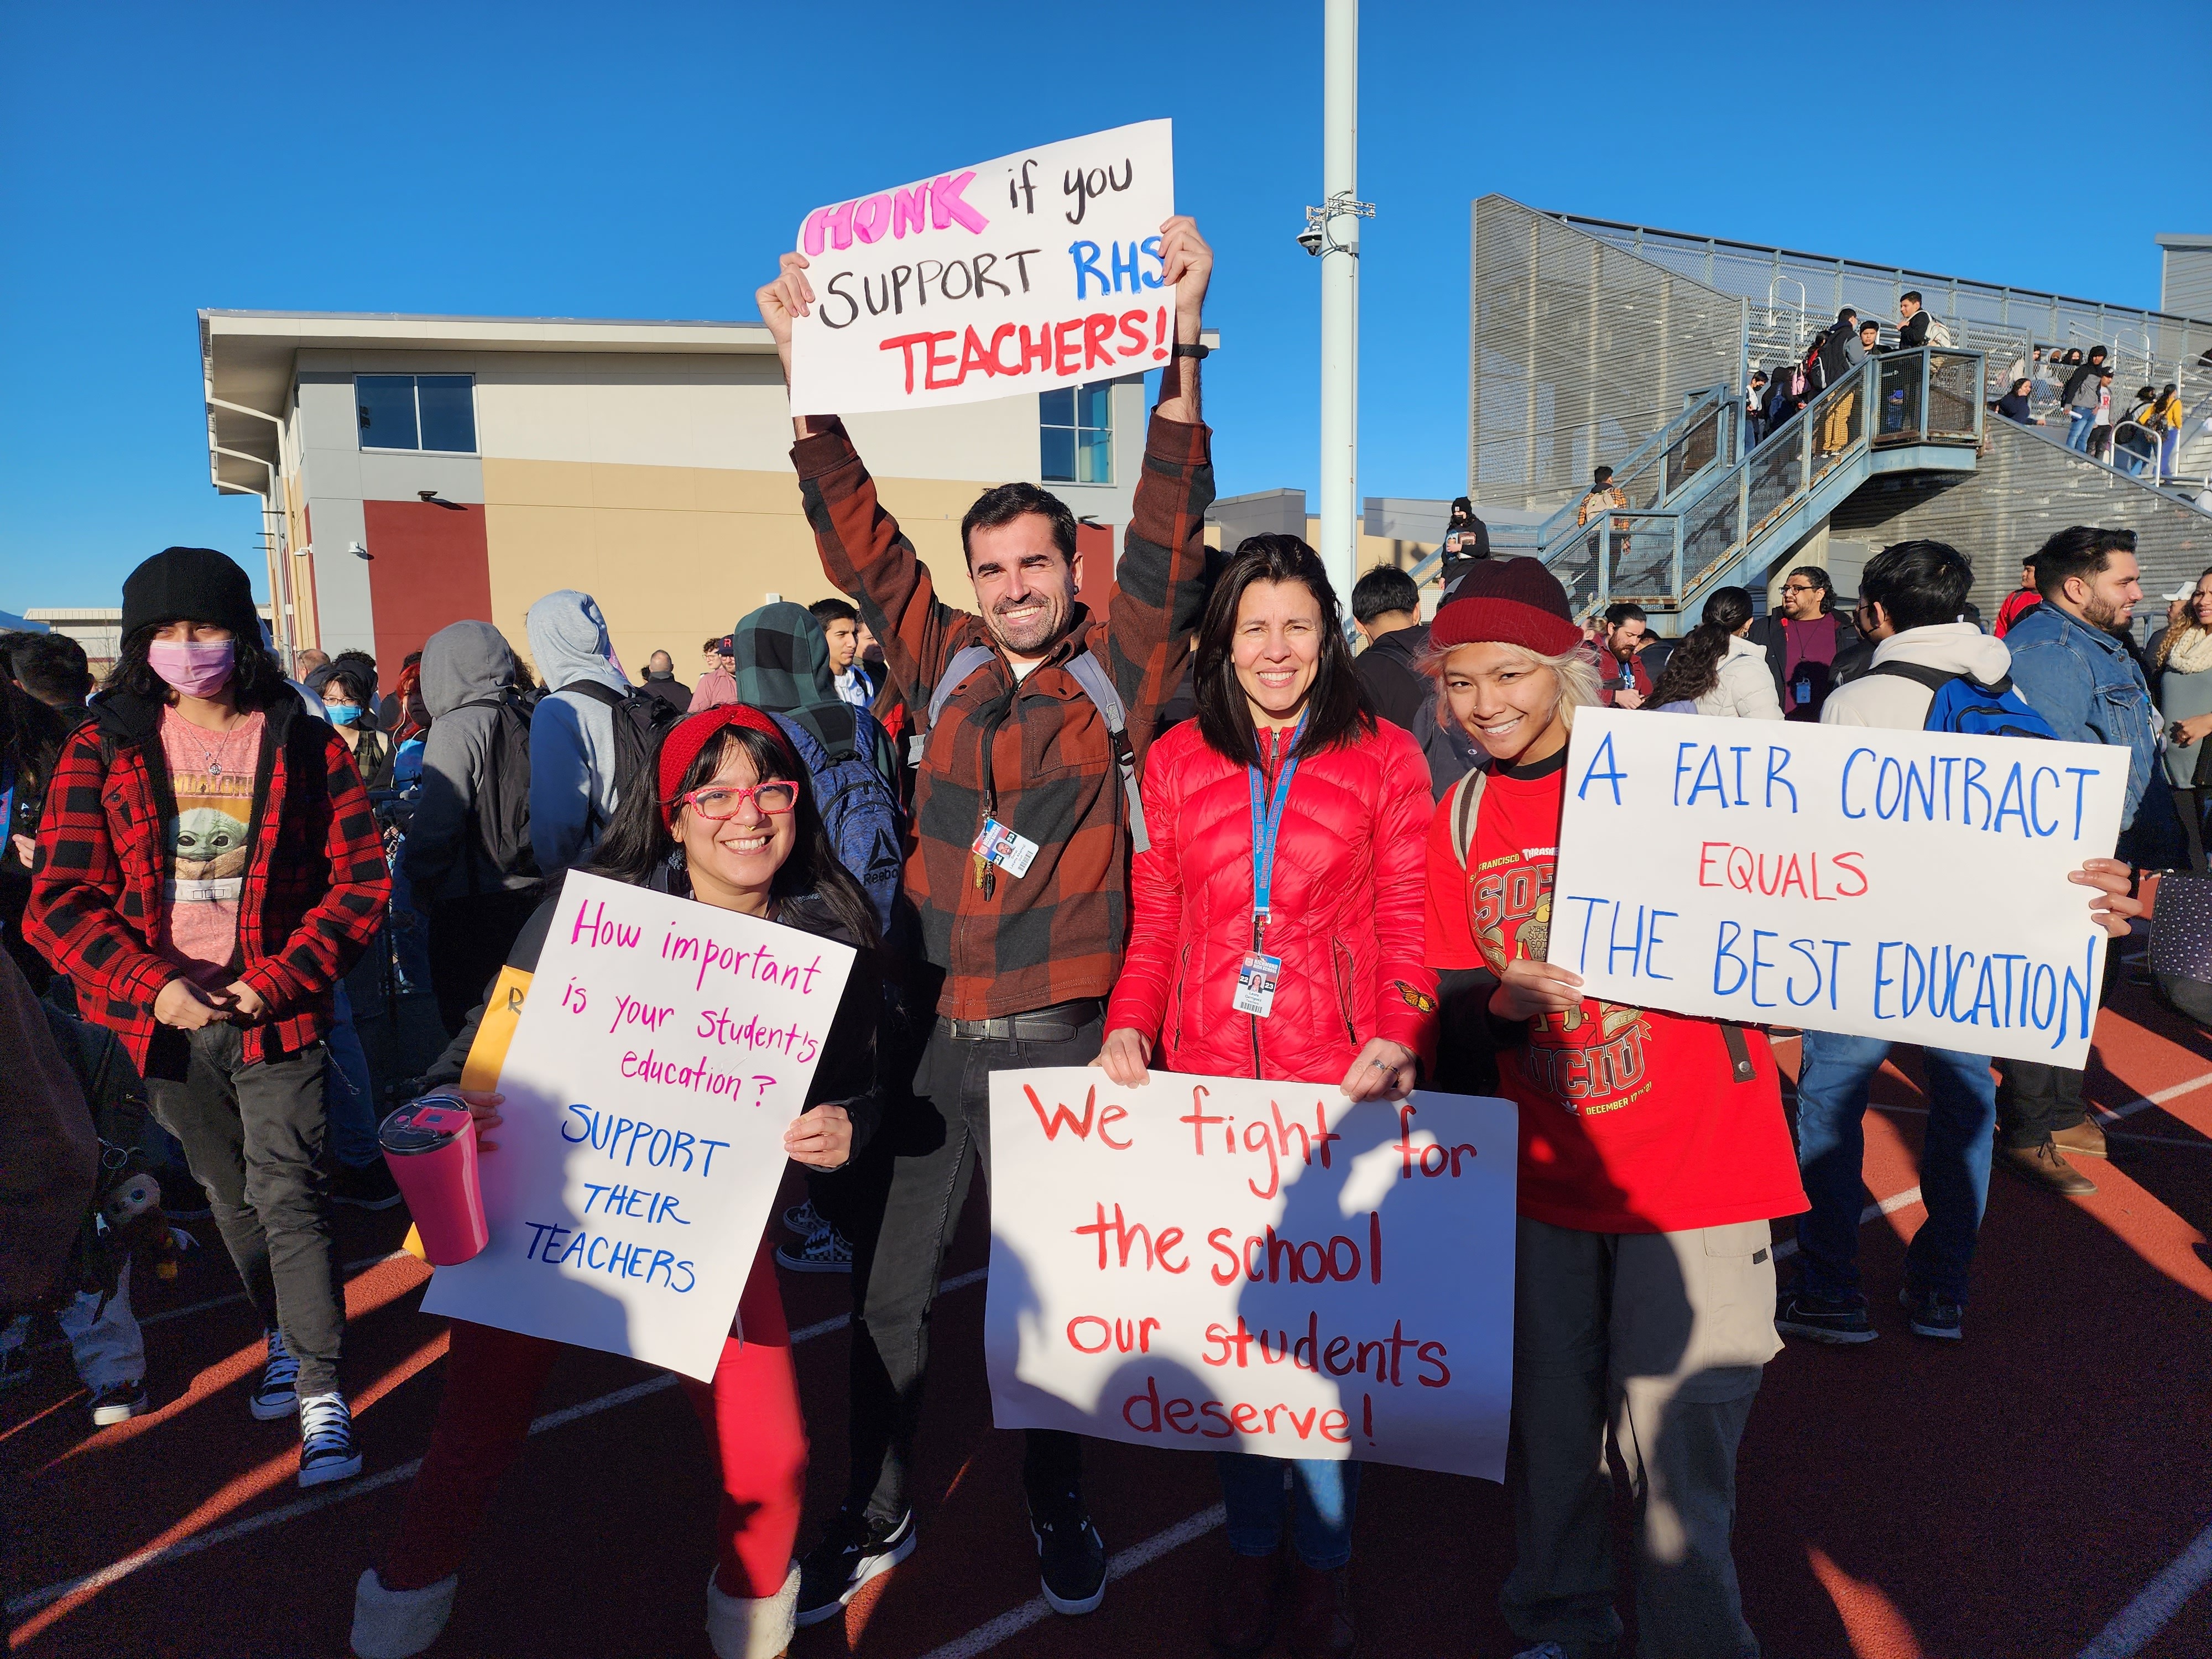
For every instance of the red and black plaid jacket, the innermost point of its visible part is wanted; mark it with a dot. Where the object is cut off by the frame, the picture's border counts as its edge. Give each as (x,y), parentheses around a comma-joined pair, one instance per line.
(315,889)
(1057,933)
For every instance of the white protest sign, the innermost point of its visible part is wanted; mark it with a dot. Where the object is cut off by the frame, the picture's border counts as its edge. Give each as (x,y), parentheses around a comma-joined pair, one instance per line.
(663,1048)
(1902,884)
(1217,1264)
(1037,270)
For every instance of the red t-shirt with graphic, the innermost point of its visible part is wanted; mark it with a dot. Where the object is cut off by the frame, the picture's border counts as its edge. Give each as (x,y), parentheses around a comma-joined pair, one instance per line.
(1631,1120)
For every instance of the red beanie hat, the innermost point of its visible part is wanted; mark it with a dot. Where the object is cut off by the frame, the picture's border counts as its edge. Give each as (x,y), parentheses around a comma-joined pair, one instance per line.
(1513,601)
(695,731)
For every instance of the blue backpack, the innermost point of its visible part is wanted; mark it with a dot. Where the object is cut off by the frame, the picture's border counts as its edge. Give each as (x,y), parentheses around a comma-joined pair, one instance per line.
(1959,702)
(859,811)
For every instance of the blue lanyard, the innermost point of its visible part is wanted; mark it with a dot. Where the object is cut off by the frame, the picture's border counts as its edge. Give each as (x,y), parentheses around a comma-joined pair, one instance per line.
(1264,825)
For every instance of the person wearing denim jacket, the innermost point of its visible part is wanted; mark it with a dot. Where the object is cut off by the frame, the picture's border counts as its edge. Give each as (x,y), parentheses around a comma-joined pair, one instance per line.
(2072,670)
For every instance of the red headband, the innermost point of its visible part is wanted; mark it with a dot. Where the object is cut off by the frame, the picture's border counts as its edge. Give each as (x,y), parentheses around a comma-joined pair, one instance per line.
(695,731)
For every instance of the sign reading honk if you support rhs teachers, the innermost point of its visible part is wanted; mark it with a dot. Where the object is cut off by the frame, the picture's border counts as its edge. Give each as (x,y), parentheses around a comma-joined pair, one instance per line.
(1038,269)
(1222,1264)
(1888,884)
(662,1048)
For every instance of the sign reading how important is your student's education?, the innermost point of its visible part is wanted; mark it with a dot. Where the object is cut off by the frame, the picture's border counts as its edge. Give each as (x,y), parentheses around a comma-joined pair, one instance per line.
(663,1048)
(1037,270)
(1885,884)
(1217,1264)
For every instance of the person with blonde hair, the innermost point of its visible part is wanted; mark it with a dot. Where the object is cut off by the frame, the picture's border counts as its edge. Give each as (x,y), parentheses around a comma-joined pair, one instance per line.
(1653,1154)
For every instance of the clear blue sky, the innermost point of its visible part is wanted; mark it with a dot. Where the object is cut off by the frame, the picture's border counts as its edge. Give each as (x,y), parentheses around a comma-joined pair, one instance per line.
(650,161)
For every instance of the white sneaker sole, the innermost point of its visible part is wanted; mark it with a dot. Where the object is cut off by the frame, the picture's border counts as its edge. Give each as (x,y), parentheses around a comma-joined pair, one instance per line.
(273,1410)
(323,1474)
(108,1416)
(876,1567)
(1069,1609)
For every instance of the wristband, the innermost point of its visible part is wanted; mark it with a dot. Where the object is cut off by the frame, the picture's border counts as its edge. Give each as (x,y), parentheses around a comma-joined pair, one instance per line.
(1182,350)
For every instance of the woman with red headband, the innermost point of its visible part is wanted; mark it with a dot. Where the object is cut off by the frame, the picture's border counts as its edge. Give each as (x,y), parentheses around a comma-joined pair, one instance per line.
(735,827)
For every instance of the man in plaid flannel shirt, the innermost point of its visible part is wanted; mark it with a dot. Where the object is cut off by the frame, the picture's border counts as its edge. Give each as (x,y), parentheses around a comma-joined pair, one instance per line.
(207,868)
(1018,766)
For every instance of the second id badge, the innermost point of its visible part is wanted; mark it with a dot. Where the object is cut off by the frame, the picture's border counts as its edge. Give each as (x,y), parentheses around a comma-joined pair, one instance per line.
(1008,848)
(1255,984)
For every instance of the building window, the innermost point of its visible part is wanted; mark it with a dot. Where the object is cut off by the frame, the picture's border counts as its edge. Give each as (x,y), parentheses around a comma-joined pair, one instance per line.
(418,411)
(1078,431)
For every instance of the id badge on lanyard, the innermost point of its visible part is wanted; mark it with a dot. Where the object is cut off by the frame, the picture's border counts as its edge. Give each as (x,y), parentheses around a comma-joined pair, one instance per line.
(1258,974)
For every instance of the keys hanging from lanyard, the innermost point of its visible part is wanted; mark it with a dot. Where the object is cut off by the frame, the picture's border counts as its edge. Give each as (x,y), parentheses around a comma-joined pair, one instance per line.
(1258,974)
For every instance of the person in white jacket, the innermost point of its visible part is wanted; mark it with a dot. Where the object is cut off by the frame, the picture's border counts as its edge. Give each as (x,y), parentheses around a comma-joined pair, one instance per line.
(1716,670)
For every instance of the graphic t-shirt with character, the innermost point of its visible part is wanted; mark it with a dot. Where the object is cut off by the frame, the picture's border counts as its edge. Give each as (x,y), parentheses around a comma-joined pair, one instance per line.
(211,775)
(1630,1119)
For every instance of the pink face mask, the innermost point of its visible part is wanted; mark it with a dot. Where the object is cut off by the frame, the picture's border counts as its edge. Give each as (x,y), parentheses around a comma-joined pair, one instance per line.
(196,671)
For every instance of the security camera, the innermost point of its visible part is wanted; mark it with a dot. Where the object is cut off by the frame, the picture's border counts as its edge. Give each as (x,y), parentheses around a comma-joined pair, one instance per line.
(1309,239)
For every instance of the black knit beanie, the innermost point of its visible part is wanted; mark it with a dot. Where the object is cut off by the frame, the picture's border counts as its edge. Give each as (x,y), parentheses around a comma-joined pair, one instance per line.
(190,584)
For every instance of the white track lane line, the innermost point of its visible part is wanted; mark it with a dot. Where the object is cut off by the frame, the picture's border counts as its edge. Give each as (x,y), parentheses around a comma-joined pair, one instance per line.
(1891,1205)
(32,1600)
(1007,1625)
(2154,1605)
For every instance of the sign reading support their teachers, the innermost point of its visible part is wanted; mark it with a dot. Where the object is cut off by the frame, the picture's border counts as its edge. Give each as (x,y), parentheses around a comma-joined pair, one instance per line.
(661,1050)
(1034,271)
(1902,884)
(1217,1264)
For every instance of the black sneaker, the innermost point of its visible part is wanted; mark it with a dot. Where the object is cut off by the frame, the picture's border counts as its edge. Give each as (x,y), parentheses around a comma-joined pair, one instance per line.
(1071,1560)
(1842,1320)
(328,1450)
(119,1402)
(1931,1312)
(277,1397)
(369,1187)
(852,1551)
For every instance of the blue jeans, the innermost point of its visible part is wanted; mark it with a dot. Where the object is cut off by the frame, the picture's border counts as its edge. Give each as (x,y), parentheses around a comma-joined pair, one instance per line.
(2077,434)
(348,1094)
(1955,1162)
(1323,1496)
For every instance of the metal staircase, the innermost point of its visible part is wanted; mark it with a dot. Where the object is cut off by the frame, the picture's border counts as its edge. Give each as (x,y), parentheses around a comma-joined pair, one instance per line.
(1700,517)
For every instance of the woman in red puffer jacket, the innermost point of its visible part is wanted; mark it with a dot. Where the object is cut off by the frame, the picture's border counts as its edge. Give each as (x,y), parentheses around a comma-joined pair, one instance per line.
(1330,983)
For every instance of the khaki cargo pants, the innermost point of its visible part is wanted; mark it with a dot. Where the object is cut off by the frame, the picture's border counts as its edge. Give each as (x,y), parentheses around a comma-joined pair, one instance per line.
(1661,1336)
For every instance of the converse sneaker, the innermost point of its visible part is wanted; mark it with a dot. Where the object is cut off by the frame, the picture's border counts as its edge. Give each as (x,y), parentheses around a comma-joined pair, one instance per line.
(852,1551)
(826,1251)
(119,1402)
(327,1451)
(1824,1319)
(1071,1559)
(804,1218)
(276,1396)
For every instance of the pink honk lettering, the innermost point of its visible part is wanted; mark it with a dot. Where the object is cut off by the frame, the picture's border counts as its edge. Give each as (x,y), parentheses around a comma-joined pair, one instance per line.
(898,212)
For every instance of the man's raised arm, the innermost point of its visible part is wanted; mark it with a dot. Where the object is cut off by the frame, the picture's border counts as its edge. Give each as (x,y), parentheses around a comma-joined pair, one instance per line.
(1160,584)
(863,551)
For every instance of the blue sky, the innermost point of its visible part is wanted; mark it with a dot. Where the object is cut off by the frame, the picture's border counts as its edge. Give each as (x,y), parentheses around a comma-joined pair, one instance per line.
(650,161)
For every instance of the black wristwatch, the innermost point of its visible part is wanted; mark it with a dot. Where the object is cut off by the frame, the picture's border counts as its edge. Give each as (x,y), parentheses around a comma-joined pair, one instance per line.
(1182,350)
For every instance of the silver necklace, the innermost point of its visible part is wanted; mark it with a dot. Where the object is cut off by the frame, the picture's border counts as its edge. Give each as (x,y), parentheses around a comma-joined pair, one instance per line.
(210,761)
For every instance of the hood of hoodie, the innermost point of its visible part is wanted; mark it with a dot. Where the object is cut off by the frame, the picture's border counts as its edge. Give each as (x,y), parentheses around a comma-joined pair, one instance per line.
(1958,647)
(465,662)
(568,642)
(783,660)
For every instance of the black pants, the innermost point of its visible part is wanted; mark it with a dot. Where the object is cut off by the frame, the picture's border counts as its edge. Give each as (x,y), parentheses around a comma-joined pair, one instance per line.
(931,1152)
(251,1134)
(469,941)
(2034,1100)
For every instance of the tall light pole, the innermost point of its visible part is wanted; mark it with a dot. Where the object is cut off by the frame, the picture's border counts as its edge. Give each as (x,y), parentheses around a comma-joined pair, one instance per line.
(1332,233)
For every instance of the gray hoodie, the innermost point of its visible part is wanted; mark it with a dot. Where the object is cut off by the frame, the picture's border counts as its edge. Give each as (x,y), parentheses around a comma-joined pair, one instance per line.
(466,663)
(573,761)
(1888,700)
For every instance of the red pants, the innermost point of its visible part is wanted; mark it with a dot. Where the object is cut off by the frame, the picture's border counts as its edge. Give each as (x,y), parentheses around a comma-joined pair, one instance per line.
(750,1414)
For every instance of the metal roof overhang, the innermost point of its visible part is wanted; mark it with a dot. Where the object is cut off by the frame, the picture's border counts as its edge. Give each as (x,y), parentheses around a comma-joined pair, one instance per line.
(247,358)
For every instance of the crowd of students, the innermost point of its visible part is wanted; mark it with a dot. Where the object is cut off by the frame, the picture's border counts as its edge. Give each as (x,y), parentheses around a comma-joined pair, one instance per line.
(1336,868)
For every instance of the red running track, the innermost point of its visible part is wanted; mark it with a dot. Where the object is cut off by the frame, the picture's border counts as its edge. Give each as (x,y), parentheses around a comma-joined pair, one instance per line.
(2008,1497)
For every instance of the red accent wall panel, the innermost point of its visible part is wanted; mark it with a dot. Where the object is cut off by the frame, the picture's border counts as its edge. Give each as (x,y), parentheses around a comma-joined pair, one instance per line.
(1100,546)
(428,565)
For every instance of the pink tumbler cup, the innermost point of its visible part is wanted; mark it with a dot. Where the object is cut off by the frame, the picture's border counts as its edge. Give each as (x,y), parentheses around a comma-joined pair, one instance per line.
(430,1146)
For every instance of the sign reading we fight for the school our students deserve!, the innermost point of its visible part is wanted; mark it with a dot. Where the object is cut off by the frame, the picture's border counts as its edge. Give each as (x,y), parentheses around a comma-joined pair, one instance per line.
(662,1048)
(1038,269)
(1886,883)
(1219,1264)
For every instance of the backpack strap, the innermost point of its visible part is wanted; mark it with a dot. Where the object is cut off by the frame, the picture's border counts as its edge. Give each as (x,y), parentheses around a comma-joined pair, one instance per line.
(1466,797)
(1097,684)
(1934,679)
(965,661)
(1739,1052)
